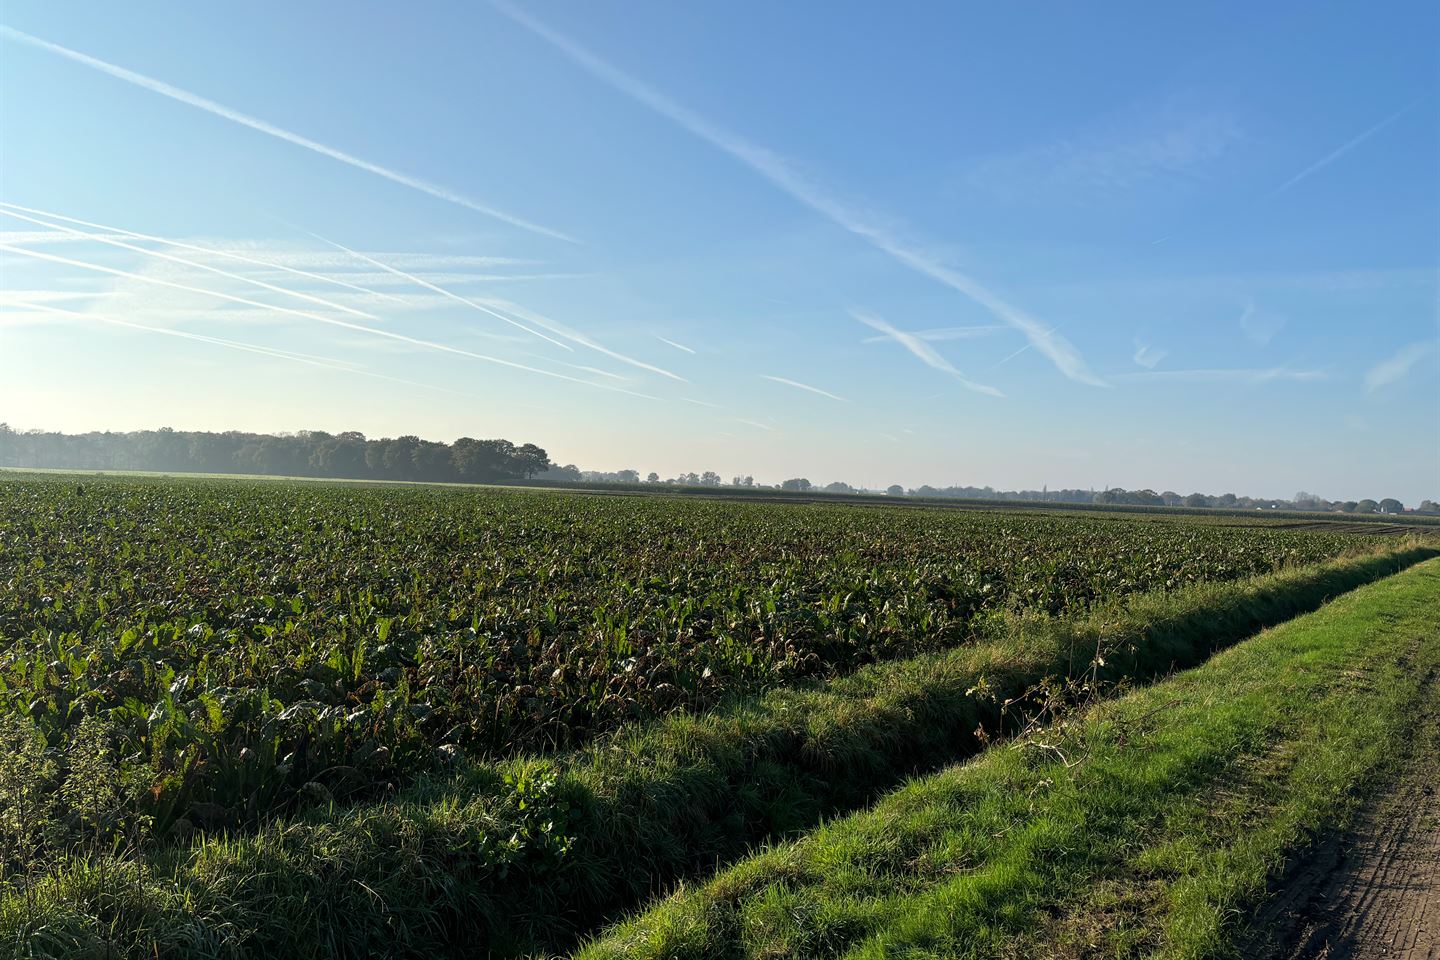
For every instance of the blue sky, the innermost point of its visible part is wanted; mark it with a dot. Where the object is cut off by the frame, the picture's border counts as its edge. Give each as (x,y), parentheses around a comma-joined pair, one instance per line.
(1141,245)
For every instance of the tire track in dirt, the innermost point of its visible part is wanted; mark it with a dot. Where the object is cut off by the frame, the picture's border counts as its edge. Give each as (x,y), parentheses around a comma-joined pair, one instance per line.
(1374,892)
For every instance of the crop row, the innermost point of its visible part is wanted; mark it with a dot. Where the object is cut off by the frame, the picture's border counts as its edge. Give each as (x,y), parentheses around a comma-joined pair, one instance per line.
(249,644)
(523,856)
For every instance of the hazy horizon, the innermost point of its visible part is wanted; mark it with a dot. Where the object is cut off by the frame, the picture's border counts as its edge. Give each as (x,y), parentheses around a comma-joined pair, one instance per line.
(1184,250)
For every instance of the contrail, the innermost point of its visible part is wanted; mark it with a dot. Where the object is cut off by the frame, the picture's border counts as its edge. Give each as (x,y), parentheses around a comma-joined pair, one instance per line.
(373,331)
(580,338)
(1243,375)
(1397,367)
(1149,357)
(269,264)
(235,116)
(672,343)
(946,333)
(97,238)
(782,175)
(323,362)
(1343,149)
(1017,353)
(803,386)
(579,366)
(922,351)
(438,289)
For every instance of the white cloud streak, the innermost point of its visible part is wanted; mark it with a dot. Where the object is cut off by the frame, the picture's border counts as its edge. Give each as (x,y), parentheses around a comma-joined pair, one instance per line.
(290,260)
(576,336)
(582,367)
(121,244)
(227,254)
(1011,356)
(1395,368)
(671,343)
(922,350)
(1149,357)
(802,386)
(1114,161)
(1341,150)
(781,174)
(235,116)
(31,297)
(435,288)
(1260,327)
(30,238)
(1230,375)
(327,363)
(937,334)
(376,280)
(359,328)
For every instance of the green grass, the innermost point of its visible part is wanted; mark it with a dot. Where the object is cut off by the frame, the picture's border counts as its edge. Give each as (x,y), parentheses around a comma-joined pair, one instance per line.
(1154,836)
(522,855)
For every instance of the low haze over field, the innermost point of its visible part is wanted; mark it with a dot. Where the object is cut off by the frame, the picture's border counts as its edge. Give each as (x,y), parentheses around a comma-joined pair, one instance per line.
(1169,248)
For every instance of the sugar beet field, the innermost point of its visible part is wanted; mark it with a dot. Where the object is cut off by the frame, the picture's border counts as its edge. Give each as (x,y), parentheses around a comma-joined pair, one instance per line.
(259,718)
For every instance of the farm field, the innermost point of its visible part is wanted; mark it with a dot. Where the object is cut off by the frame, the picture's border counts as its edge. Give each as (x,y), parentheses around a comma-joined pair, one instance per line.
(448,716)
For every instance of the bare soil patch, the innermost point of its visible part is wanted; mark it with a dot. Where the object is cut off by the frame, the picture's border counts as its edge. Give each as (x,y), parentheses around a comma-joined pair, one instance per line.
(1373,892)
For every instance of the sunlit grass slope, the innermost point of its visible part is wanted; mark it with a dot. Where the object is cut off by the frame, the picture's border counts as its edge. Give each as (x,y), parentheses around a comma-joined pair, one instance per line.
(1148,827)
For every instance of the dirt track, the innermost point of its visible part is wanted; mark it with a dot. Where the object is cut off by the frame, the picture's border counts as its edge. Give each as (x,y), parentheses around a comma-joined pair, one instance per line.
(1375,892)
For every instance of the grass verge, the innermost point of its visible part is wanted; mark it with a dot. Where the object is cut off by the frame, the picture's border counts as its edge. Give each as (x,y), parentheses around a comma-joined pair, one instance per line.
(524,856)
(1148,827)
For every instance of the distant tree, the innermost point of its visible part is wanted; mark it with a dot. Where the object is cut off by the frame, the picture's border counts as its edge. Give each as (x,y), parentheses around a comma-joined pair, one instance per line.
(709,479)
(1197,500)
(895,490)
(1367,506)
(1426,506)
(528,460)
(653,477)
(1228,500)
(1171,498)
(1349,506)
(839,486)
(566,474)
(432,461)
(627,476)
(799,484)
(745,481)
(1391,505)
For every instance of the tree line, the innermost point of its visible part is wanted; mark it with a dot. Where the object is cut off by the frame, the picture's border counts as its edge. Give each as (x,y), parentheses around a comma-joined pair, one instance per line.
(308,453)
(1302,501)
(352,456)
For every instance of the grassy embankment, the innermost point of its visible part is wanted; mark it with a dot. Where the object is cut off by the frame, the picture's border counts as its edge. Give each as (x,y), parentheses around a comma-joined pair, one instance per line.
(524,855)
(1150,826)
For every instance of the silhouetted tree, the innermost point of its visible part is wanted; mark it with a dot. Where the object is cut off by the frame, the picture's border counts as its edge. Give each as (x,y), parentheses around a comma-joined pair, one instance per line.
(305,454)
